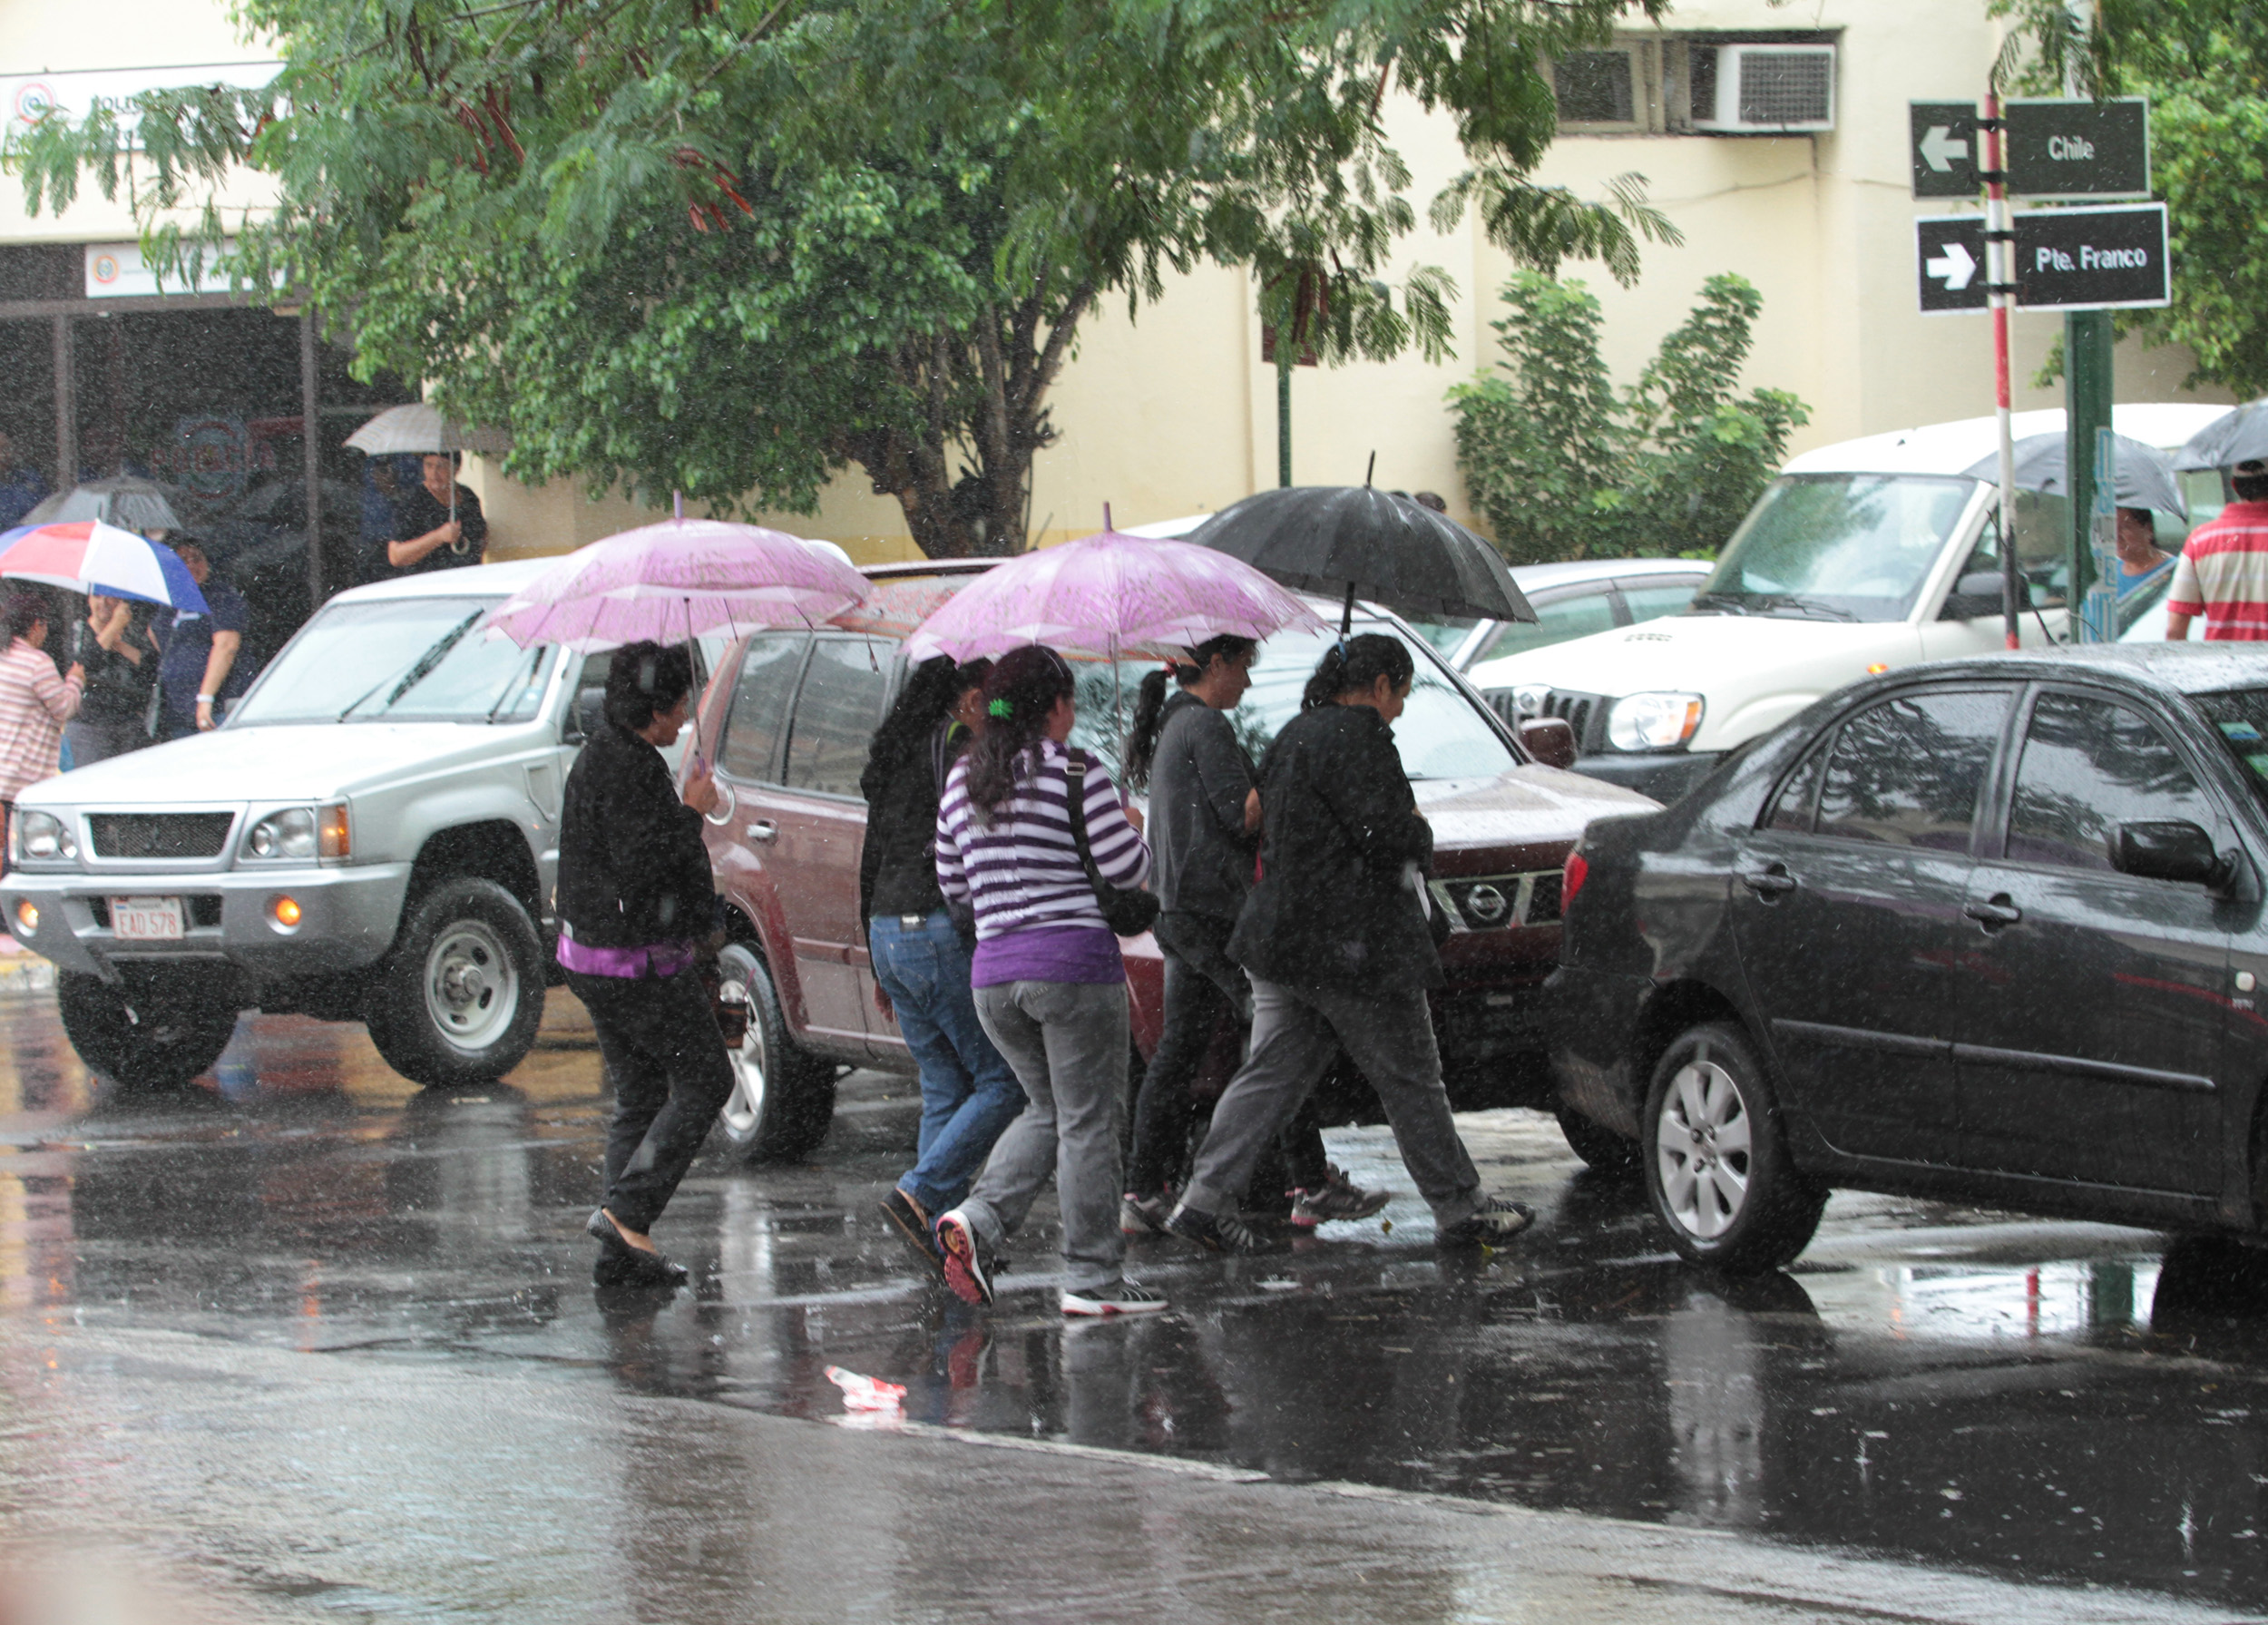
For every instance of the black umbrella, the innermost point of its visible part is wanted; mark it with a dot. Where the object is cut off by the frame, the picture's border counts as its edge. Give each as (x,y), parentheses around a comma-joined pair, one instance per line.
(2237,435)
(2143,477)
(1357,540)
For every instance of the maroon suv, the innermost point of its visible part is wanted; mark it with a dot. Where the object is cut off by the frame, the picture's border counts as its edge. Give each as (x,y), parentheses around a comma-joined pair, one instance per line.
(786,721)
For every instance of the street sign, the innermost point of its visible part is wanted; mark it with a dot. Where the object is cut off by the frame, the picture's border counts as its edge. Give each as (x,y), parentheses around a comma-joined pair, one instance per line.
(1944,148)
(2091,259)
(1950,258)
(2080,149)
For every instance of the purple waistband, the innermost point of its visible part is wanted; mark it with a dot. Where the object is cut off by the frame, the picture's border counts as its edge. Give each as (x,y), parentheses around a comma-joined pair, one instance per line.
(655,959)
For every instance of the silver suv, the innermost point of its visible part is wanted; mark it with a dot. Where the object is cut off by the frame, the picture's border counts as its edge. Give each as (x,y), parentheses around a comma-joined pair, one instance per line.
(372,836)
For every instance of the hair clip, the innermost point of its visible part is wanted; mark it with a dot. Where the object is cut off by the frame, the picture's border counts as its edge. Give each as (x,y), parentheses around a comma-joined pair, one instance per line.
(1001,708)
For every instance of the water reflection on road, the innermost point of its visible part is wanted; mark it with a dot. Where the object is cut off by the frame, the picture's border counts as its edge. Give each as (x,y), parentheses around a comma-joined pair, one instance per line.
(2048,1399)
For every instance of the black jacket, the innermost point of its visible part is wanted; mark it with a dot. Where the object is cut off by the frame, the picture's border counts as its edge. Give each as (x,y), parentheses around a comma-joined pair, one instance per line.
(633,870)
(1197,784)
(897,866)
(1339,824)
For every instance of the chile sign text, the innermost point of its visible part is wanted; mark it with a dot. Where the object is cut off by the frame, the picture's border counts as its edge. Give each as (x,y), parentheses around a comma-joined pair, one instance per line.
(2056,149)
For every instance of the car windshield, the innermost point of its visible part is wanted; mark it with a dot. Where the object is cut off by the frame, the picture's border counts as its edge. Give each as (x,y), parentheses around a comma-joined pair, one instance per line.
(1440,734)
(401,659)
(2240,716)
(1836,547)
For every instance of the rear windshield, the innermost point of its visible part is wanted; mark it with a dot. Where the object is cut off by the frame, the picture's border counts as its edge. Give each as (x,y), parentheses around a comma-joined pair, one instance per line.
(1837,547)
(401,659)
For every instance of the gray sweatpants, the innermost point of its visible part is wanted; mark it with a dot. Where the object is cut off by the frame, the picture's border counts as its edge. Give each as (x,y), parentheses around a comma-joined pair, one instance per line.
(1296,1032)
(1067,1042)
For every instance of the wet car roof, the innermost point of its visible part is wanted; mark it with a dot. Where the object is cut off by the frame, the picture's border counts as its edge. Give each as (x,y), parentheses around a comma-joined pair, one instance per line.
(2179,668)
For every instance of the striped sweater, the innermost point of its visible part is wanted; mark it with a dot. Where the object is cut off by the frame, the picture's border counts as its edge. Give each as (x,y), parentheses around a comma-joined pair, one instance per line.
(1020,871)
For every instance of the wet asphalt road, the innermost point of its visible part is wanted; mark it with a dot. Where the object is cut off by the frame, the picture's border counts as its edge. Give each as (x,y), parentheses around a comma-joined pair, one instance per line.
(1977,1395)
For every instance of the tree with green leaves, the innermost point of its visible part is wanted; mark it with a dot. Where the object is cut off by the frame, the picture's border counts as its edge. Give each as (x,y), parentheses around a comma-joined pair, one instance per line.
(1566,467)
(732,247)
(2204,64)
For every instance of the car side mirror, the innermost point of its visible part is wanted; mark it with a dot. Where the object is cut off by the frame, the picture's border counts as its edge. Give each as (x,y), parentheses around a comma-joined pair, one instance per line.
(582,715)
(2169,849)
(1549,739)
(1978,594)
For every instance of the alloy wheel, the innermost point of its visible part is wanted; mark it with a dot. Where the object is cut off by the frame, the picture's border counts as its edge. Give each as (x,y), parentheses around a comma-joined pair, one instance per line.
(744,1108)
(1702,1143)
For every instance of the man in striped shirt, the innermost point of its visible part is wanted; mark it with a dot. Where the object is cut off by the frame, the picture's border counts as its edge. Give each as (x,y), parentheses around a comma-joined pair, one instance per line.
(35,704)
(2223,574)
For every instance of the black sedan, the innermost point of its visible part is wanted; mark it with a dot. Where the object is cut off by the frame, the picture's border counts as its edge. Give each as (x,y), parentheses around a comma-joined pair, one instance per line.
(1990,930)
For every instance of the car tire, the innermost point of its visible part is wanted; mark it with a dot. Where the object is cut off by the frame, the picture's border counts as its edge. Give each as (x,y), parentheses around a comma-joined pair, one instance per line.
(152,1031)
(459,996)
(1717,1170)
(783,1096)
(1612,1155)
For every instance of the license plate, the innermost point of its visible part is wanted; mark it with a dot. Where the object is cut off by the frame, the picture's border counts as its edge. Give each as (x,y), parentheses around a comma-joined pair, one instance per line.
(146,919)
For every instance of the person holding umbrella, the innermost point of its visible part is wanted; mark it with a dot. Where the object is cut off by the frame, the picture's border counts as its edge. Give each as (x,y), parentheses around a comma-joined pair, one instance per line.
(438,523)
(199,674)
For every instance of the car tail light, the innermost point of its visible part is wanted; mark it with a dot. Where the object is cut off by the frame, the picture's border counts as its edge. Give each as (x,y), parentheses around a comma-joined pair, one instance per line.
(1571,878)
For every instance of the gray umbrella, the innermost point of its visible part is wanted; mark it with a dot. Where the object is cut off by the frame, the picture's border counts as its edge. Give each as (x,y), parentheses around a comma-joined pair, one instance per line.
(2144,478)
(2237,435)
(127,502)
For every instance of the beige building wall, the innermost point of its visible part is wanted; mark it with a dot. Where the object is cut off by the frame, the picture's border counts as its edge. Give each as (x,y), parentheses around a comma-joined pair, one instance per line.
(1172,412)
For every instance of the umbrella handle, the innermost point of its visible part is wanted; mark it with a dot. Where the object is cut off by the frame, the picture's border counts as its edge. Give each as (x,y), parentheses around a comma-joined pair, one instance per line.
(1346,616)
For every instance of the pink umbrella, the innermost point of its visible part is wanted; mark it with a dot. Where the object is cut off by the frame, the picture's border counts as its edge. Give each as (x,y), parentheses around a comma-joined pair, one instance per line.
(677,579)
(1110,594)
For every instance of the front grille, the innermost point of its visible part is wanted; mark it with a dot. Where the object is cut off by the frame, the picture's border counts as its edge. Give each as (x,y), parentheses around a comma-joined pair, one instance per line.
(204,911)
(160,835)
(1580,712)
(1497,902)
(1505,703)
(1543,898)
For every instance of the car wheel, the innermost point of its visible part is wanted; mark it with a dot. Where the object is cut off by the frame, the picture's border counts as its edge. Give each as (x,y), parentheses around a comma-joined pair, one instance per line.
(460,995)
(1717,1168)
(1599,1146)
(783,1096)
(150,1031)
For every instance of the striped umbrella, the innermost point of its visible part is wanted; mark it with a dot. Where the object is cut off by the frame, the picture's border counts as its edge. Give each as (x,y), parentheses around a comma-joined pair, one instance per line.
(86,555)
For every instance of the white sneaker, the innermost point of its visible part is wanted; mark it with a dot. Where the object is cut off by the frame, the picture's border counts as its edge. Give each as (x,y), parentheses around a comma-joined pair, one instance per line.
(1119,1297)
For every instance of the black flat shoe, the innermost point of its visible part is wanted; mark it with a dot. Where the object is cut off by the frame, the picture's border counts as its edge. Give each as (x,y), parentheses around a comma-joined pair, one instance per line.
(899,1209)
(628,1265)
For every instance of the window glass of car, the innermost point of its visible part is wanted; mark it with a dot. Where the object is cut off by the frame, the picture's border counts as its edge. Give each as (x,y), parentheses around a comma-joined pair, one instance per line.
(1650,599)
(2089,765)
(836,714)
(1798,800)
(1575,616)
(2240,716)
(418,660)
(1906,770)
(1837,547)
(2043,554)
(760,696)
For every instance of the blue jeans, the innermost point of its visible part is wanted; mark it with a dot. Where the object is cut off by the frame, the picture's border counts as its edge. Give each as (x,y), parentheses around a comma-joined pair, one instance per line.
(969,1093)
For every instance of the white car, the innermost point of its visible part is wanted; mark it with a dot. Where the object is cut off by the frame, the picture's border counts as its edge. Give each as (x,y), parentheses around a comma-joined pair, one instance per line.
(1571,600)
(1860,557)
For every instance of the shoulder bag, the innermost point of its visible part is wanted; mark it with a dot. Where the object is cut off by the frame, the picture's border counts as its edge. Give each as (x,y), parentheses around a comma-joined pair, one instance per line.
(1127,913)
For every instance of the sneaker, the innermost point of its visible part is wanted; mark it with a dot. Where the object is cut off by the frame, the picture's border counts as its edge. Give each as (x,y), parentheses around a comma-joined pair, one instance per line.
(1340,1198)
(1495,1222)
(1143,1215)
(1119,1297)
(965,1273)
(913,1224)
(1215,1232)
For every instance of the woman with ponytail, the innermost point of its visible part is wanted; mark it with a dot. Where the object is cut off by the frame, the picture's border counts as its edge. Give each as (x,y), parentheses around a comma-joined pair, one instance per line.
(1336,939)
(1050,984)
(921,954)
(1204,827)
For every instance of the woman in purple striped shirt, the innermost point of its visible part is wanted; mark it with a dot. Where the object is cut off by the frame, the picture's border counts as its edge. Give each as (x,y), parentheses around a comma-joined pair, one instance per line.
(1050,985)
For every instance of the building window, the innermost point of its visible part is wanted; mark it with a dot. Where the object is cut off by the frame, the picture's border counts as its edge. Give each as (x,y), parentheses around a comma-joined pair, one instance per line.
(1594,87)
(1698,84)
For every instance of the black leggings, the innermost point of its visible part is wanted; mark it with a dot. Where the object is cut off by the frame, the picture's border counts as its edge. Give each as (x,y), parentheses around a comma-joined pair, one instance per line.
(1203,986)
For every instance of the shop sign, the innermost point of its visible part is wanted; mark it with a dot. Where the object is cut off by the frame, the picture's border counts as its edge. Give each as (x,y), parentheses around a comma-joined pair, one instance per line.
(26,97)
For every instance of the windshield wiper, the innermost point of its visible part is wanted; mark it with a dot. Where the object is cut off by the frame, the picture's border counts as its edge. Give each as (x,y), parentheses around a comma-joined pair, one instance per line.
(1803,606)
(1729,603)
(420,669)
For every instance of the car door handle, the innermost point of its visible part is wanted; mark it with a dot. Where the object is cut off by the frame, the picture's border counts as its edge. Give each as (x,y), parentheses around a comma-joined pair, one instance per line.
(1995,914)
(763,829)
(1770,881)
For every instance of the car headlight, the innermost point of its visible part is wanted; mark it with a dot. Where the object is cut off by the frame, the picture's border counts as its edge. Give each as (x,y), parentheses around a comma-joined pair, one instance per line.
(39,834)
(286,834)
(1653,721)
(1532,698)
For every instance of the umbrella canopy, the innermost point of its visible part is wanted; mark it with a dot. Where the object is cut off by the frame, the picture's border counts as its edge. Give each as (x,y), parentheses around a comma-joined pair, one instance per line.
(1110,594)
(129,502)
(1357,541)
(418,427)
(2143,478)
(2238,435)
(678,579)
(88,556)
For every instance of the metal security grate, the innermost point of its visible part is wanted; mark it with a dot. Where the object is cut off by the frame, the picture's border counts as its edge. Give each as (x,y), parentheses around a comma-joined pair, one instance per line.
(160,835)
(1787,87)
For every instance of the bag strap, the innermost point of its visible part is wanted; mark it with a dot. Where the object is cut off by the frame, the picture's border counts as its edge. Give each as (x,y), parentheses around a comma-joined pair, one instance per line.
(1075,798)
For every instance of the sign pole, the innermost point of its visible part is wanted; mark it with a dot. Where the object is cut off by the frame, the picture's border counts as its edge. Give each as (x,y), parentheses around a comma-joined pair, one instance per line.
(2001,283)
(2086,382)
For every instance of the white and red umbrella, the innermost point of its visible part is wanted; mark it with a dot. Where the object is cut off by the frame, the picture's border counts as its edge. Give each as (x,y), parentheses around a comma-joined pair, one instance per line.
(675,581)
(87,555)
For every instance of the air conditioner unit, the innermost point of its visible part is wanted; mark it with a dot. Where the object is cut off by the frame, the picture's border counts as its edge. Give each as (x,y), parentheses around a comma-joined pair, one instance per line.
(1762,90)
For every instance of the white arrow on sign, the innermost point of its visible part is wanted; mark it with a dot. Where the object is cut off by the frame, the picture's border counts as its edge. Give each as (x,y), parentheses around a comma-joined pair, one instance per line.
(1939,149)
(1954,267)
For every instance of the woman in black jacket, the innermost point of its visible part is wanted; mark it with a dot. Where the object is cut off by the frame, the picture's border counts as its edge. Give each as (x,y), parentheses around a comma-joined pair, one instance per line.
(921,951)
(1336,939)
(636,907)
(1204,827)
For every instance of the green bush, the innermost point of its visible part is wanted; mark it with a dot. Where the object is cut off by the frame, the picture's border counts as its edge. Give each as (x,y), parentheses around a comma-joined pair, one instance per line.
(1567,468)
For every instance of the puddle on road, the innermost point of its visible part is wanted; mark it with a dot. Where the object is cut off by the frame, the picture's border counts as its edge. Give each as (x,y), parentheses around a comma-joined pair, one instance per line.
(1979,1389)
